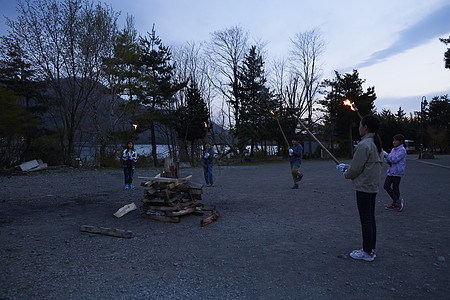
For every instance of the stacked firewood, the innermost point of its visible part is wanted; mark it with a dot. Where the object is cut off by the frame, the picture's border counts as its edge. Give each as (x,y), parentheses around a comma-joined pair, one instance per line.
(168,197)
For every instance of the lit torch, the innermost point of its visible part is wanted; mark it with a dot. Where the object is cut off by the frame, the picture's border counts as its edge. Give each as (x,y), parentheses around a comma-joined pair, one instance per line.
(206,127)
(352,106)
(282,132)
(134,125)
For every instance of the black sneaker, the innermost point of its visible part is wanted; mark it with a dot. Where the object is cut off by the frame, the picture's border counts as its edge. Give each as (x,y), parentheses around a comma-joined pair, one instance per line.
(295,186)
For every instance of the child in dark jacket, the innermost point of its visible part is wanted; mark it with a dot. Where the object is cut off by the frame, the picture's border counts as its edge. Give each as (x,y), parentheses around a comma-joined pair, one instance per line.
(295,160)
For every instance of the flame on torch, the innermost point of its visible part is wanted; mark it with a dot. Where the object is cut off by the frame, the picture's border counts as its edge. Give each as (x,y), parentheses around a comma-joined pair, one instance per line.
(271,111)
(206,125)
(135,126)
(349,103)
(352,106)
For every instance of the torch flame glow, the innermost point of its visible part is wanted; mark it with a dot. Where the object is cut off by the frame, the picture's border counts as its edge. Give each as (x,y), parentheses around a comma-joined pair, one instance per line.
(349,103)
(135,126)
(271,111)
(206,125)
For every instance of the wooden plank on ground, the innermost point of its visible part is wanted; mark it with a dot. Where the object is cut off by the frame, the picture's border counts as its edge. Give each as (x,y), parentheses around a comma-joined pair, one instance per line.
(124,210)
(107,231)
(210,219)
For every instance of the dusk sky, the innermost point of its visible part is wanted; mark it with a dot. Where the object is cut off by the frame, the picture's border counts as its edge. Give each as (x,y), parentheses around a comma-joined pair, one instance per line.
(393,44)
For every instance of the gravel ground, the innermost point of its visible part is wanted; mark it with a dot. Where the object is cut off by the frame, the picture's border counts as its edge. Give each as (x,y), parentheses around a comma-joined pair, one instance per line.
(271,242)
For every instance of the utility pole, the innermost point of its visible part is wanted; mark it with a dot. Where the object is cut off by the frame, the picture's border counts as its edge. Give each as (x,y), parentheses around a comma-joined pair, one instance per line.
(423,105)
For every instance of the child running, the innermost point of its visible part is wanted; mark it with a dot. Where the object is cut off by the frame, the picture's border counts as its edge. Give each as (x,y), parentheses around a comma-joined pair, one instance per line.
(295,160)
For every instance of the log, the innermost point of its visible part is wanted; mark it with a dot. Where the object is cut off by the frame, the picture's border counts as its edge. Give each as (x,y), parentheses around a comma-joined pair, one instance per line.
(107,231)
(173,185)
(167,179)
(162,208)
(180,212)
(209,207)
(171,169)
(210,219)
(124,210)
(161,218)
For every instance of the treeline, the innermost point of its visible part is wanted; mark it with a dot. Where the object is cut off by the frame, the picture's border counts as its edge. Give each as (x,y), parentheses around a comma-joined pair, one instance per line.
(71,78)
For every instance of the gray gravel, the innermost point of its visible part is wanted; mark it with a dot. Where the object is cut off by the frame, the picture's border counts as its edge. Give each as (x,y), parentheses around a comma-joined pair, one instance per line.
(271,242)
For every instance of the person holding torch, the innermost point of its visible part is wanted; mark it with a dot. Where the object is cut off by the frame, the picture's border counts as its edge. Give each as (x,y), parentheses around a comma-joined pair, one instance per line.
(364,170)
(295,159)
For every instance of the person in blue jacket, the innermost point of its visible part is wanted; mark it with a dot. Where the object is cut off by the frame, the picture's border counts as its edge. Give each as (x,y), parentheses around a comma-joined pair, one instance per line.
(295,159)
(208,159)
(397,162)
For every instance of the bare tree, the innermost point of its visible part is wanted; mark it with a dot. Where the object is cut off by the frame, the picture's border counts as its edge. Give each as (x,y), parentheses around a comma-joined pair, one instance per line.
(307,47)
(226,51)
(66,41)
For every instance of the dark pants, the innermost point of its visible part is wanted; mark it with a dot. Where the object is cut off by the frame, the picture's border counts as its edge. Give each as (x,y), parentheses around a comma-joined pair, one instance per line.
(128,171)
(207,171)
(392,187)
(366,208)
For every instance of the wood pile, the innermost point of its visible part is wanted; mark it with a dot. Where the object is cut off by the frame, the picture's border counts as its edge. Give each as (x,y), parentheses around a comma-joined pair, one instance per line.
(168,197)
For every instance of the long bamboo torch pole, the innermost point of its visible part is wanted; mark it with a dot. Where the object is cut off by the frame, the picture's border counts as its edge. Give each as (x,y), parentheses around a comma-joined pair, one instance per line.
(318,142)
(281,129)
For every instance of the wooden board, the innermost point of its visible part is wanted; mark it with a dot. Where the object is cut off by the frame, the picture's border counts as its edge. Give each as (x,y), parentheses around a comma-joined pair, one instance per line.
(107,231)
(181,212)
(124,210)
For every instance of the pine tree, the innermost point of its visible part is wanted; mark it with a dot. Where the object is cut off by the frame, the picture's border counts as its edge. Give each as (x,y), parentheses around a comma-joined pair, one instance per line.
(191,118)
(255,101)
(157,84)
(340,119)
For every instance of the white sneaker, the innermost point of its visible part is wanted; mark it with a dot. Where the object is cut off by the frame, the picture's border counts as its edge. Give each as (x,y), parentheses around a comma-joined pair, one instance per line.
(400,207)
(360,254)
(373,252)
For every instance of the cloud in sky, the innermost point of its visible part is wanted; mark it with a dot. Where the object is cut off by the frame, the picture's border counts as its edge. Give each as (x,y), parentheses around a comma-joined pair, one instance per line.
(432,26)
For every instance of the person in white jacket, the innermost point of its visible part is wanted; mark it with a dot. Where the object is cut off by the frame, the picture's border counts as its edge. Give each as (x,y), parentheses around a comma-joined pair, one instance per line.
(364,170)
(129,159)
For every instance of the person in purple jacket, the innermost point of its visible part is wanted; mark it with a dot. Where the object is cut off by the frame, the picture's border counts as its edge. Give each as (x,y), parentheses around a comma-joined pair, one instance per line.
(397,161)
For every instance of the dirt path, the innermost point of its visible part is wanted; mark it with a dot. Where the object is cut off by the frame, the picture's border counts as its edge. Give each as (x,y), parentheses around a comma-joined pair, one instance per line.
(271,242)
